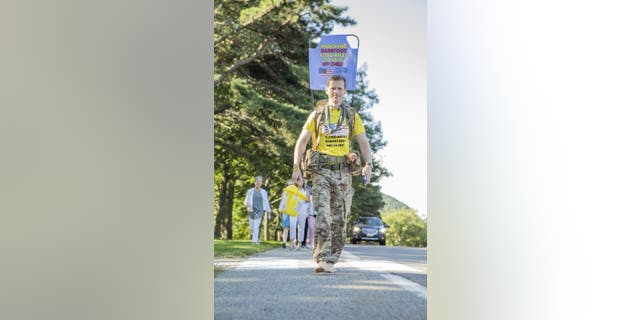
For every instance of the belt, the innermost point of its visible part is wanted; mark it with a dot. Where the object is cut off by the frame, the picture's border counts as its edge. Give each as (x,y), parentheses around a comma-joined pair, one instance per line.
(327,159)
(335,166)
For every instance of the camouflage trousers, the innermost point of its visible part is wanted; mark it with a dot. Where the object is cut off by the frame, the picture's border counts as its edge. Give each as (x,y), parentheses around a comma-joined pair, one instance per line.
(332,193)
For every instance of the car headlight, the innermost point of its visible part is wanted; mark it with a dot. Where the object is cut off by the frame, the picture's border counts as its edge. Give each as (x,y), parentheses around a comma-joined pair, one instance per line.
(356,229)
(383,230)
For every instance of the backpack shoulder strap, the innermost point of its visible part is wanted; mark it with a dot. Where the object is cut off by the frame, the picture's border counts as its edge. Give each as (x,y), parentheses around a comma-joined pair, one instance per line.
(319,119)
(351,119)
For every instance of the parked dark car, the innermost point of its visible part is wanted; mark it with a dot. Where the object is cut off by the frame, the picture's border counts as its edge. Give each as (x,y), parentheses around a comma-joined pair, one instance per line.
(369,229)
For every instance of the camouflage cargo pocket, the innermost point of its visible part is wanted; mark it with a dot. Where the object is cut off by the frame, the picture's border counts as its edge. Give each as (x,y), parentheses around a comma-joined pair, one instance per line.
(310,162)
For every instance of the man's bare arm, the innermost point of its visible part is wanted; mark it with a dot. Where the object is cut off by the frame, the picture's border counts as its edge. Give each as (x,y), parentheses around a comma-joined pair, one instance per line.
(298,151)
(365,149)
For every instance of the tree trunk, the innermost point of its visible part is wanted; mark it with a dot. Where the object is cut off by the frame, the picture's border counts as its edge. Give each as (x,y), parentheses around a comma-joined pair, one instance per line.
(229,208)
(220,214)
(266,226)
(276,230)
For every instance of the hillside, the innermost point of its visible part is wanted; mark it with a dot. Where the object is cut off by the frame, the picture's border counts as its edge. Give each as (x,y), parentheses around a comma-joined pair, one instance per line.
(391,203)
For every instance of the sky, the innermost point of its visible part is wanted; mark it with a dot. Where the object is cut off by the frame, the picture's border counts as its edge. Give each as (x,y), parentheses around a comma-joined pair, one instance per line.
(393,44)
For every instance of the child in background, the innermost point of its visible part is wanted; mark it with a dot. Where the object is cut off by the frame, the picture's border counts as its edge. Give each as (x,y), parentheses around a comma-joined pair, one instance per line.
(289,222)
(303,213)
(285,229)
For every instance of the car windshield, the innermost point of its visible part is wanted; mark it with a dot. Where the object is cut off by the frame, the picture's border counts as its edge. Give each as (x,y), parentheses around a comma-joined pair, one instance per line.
(371,221)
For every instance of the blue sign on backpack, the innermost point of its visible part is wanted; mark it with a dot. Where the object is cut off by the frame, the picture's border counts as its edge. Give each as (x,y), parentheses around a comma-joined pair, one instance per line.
(333,55)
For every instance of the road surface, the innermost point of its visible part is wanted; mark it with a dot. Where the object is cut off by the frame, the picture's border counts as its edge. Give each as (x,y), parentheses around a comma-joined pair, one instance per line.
(371,282)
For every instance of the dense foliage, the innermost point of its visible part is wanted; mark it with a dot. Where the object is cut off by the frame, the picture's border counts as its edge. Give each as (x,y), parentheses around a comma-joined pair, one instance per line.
(405,228)
(262,99)
(391,203)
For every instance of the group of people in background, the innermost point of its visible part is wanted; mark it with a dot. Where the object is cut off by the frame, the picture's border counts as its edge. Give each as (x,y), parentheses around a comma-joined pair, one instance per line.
(297,231)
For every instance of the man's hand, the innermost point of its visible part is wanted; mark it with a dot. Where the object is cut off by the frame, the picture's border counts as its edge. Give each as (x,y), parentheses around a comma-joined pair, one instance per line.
(297,154)
(366,172)
(296,175)
(365,149)
(249,209)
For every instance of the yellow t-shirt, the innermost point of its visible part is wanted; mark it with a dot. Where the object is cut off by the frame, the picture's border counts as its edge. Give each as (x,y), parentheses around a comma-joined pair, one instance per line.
(335,143)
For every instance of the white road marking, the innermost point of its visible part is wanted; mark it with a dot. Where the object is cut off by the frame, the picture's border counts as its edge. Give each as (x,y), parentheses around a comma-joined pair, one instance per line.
(408,285)
(268,263)
(387,266)
(376,265)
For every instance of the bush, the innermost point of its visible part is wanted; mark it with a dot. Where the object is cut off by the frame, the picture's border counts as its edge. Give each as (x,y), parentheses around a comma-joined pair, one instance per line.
(405,228)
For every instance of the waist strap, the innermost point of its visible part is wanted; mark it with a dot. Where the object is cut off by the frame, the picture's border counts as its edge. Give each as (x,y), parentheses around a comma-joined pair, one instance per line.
(331,160)
(336,166)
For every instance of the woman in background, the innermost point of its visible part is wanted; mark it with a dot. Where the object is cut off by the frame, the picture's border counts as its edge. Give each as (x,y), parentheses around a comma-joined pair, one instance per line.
(257,203)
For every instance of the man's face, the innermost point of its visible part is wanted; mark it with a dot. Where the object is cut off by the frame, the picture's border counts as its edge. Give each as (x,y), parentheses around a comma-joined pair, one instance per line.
(335,91)
(258,183)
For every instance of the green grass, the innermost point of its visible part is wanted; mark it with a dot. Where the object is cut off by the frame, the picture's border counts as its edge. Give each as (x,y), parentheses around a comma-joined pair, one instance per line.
(240,248)
(217,270)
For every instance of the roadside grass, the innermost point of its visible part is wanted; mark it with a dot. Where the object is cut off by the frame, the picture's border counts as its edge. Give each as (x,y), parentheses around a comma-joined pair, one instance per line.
(238,249)
(217,270)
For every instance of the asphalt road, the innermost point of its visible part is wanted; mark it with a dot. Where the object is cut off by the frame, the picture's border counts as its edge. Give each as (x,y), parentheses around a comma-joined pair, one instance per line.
(371,282)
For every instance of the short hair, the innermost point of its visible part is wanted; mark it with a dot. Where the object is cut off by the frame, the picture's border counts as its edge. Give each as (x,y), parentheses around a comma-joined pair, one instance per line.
(258,178)
(336,77)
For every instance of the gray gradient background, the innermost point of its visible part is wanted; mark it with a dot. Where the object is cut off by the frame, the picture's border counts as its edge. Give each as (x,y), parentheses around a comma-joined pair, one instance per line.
(106,170)
(533,160)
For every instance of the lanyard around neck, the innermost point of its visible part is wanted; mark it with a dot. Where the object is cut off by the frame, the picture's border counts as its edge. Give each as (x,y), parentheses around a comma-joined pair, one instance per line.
(328,118)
